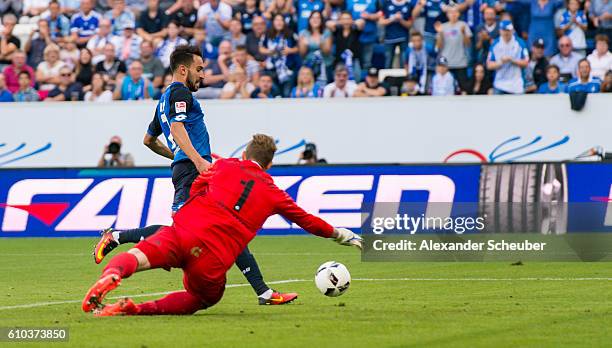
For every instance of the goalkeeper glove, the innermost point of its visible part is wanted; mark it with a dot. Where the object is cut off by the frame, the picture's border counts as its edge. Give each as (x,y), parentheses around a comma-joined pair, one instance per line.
(347,237)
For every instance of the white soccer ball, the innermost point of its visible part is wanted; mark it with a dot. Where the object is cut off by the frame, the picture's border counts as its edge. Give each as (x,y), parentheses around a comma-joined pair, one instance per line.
(332,279)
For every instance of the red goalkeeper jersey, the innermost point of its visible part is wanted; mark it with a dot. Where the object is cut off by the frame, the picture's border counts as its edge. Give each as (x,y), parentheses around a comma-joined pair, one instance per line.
(230,203)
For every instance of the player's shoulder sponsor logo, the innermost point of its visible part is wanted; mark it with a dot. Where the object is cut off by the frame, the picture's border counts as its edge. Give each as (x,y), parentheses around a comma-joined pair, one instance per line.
(180,106)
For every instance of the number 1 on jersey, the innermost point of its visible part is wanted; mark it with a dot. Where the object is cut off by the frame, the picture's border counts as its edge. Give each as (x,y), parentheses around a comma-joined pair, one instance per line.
(248,187)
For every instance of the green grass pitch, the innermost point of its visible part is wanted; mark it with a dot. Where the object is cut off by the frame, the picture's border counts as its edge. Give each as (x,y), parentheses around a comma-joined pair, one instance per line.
(393,305)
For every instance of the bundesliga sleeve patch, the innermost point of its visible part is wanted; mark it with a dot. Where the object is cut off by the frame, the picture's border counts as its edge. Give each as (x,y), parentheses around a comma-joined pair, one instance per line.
(180,106)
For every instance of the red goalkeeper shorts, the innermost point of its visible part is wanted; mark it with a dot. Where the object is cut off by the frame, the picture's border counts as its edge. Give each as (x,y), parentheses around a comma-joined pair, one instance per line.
(204,273)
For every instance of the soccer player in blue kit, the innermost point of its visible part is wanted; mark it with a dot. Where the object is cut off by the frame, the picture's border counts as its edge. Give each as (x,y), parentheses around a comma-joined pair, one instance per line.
(179,117)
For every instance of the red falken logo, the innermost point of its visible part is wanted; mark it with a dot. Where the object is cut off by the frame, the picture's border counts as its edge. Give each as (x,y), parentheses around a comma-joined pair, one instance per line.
(47,213)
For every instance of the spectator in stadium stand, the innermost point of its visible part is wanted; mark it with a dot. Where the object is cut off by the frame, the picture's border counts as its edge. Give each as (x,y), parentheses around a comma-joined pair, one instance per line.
(508,57)
(280,45)
(264,88)
(121,17)
(371,86)
(59,24)
(238,87)
(48,71)
(199,40)
(69,54)
(246,13)
(9,43)
(186,17)
(566,59)
(537,63)
(411,87)
(585,82)
(600,58)
(111,68)
(480,84)
(434,13)
(306,86)
(66,89)
(69,7)
(102,37)
(5,94)
(346,41)
(486,33)
(305,9)
(254,37)
(542,25)
(136,6)
(11,72)
(215,17)
(26,93)
(84,69)
(167,46)
(112,155)
(240,59)
(84,24)
(38,39)
(606,86)
(34,8)
(152,23)
(215,78)
(282,7)
(315,45)
(417,61)
(553,85)
(600,13)
(128,44)
(397,21)
(11,6)
(454,37)
(236,37)
(443,83)
(153,69)
(368,11)
(134,86)
(573,24)
(98,92)
(342,87)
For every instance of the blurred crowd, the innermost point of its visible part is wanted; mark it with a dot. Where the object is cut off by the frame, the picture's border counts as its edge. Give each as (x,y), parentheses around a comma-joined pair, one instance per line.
(58,50)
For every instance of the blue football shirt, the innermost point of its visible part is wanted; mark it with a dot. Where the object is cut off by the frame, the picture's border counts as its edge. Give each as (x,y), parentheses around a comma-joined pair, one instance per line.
(178,105)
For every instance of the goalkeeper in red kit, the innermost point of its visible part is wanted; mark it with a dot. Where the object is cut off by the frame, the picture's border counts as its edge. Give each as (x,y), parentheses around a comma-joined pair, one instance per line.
(229,203)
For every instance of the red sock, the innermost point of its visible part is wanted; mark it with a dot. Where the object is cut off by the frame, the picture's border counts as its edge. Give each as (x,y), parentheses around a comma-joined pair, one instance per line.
(123,264)
(177,303)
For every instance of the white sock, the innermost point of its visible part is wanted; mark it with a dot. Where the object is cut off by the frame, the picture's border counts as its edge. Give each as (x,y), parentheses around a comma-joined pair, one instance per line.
(266,295)
(116,236)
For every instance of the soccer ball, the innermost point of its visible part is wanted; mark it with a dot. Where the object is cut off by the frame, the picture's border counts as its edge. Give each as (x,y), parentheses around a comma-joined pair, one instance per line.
(332,279)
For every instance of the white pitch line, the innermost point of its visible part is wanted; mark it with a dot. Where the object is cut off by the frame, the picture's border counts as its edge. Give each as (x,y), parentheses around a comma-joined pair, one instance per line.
(286,281)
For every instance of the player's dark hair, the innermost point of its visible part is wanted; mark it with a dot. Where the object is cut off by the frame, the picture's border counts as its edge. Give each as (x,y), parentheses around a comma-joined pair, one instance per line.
(26,74)
(183,55)
(241,48)
(261,149)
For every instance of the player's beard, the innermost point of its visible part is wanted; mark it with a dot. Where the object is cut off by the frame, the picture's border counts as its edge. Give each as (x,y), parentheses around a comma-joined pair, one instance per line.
(193,82)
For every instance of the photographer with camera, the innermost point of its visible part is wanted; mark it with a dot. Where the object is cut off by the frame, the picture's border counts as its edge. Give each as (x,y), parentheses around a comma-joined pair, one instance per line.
(112,156)
(309,155)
